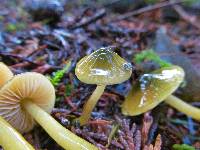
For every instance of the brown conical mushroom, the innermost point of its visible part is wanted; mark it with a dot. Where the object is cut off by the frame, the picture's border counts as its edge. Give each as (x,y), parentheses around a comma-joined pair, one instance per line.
(9,137)
(102,67)
(31,96)
(5,74)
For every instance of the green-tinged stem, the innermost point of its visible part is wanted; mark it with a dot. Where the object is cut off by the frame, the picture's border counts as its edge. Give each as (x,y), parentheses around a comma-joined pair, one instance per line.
(183,107)
(61,135)
(10,139)
(90,104)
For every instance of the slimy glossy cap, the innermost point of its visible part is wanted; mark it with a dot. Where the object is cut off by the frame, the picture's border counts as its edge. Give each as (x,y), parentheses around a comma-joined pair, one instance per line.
(5,74)
(22,87)
(103,67)
(152,89)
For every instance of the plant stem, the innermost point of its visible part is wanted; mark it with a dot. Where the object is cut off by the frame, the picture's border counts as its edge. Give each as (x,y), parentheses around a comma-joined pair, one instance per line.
(60,134)
(183,107)
(90,104)
(10,139)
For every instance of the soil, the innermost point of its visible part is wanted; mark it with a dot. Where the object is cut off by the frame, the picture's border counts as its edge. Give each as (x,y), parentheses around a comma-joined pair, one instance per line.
(28,44)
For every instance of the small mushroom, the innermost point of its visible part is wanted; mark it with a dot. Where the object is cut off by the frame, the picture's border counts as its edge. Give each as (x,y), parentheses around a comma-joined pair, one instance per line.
(31,96)
(102,67)
(152,89)
(155,87)
(9,137)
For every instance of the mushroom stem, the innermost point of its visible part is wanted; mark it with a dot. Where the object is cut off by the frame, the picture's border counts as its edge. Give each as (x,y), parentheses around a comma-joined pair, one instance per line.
(11,139)
(183,107)
(90,104)
(61,135)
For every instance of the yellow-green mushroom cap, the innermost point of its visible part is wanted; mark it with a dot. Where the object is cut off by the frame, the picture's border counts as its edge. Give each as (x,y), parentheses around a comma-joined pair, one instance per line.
(27,86)
(103,67)
(152,89)
(5,74)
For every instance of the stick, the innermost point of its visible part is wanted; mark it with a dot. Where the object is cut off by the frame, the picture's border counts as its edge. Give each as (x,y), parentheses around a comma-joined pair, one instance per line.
(146,9)
(90,20)
(187,17)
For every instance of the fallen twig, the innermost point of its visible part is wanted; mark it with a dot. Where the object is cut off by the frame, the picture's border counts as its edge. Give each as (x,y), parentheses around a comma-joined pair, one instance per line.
(147,122)
(5,54)
(90,20)
(146,9)
(158,143)
(187,17)
(137,140)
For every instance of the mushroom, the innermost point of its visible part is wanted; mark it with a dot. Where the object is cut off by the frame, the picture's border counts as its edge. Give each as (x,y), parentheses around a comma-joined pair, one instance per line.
(155,87)
(5,74)
(10,138)
(102,67)
(31,96)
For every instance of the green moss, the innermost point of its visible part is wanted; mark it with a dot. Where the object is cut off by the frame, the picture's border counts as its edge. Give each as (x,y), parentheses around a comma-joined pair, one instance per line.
(58,75)
(11,27)
(150,55)
(182,147)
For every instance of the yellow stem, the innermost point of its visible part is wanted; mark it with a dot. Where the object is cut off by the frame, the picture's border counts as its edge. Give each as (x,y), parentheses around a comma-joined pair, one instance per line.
(90,104)
(61,135)
(10,139)
(183,107)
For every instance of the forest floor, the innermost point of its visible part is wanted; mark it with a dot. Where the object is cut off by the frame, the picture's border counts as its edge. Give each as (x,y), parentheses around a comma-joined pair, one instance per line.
(28,45)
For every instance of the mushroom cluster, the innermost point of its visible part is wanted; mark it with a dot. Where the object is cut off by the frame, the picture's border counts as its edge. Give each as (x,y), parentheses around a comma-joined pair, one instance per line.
(31,96)
(102,67)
